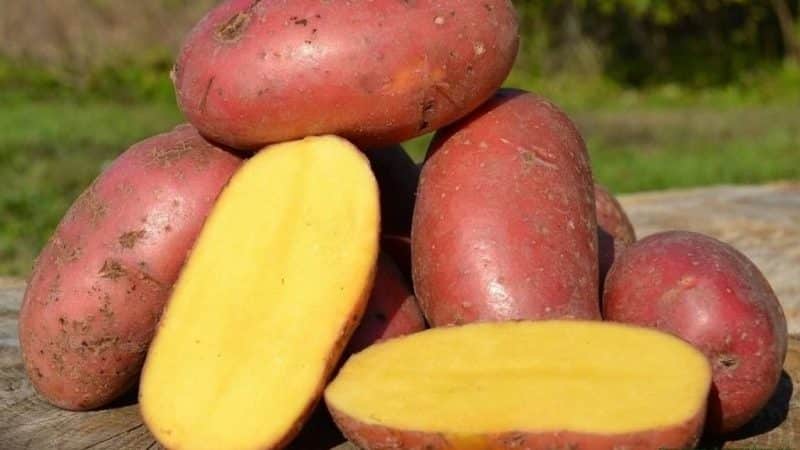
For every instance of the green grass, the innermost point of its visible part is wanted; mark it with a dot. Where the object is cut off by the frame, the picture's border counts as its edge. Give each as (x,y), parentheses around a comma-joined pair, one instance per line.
(652,149)
(663,138)
(49,152)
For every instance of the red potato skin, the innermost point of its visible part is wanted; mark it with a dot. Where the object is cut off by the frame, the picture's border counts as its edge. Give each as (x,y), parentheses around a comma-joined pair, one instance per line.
(99,285)
(378,72)
(375,437)
(615,231)
(398,178)
(711,295)
(392,310)
(505,226)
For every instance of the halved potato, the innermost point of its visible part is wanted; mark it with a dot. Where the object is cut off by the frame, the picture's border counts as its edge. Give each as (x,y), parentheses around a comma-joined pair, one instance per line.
(524,385)
(270,295)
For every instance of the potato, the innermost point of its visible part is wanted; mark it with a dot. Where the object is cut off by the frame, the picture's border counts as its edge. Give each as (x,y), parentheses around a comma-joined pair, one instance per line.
(398,177)
(392,310)
(524,385)
(615,231)
(376,72)
(709,294)
(505,227)
(100,283)
(271,294)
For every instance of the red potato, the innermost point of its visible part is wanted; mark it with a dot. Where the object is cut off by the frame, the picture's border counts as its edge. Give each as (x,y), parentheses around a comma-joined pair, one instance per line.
(392,310)
(505,227)
(398,177)
(711,295)
(99,285)
(376,72)
(615,231)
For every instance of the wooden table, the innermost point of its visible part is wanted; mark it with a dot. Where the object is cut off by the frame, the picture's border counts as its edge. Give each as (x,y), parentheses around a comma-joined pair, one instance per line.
(763,221)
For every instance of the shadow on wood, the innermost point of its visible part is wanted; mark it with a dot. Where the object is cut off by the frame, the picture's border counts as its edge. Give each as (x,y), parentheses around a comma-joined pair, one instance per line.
(773,415)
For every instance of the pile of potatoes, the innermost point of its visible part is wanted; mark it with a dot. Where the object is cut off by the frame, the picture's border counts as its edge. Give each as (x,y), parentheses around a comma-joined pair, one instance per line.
(502,223)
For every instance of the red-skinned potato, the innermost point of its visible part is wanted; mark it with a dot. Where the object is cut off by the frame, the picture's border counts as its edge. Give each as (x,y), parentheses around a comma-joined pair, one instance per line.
(392,310)
(99,285)
(398,177)
(504,227)
(711,295)
(254,72)
(615,231)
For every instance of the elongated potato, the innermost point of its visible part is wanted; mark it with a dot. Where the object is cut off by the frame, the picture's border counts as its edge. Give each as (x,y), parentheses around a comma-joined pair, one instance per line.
(504,226)
(376,72)
(272,292)
(524,385)
(615,231)
(99,285)
(711,295)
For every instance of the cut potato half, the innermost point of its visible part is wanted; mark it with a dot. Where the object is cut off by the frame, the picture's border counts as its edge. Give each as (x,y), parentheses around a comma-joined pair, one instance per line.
(524,385)
(268,299)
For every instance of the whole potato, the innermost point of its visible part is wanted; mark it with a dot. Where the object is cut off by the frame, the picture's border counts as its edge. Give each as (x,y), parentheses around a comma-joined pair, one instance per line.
(615,231)
(711,295)
(377,72)
(504,227)
(100,283)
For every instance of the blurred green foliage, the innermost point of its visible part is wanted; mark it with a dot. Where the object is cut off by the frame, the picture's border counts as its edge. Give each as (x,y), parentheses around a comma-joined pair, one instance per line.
(627,43)
(640,42)
(668,93)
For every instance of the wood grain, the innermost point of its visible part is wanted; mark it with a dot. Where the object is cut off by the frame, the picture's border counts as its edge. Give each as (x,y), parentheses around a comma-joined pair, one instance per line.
(762,221)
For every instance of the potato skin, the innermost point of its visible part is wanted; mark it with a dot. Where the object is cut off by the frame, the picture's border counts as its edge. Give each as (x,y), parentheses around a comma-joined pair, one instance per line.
(711,295)
(254,72)
(505,227)
(615,231)
(376,437)
(99,285)
(392,310)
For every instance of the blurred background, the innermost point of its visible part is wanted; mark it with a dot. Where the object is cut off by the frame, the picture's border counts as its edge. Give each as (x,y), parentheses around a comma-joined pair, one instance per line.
(668,93)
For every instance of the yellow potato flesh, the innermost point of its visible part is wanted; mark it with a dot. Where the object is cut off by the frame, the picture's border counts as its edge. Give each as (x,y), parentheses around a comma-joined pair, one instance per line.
(269,295)
(588,377)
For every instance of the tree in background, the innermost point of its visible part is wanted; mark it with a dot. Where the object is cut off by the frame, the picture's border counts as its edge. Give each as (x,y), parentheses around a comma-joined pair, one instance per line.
(109,45)
(790,28)
(638,41)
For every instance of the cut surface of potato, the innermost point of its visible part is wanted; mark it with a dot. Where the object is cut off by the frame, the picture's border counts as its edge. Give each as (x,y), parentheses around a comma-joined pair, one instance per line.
(482,383)
(271,293)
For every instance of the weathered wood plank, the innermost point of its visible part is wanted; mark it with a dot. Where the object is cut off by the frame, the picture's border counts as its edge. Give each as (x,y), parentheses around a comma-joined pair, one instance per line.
(27,422)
